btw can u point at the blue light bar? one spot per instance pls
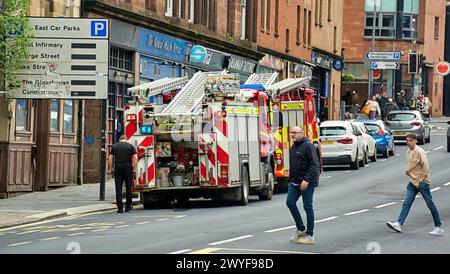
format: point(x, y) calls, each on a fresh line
point(146, 130)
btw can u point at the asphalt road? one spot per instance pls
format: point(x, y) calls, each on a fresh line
point(351, 209)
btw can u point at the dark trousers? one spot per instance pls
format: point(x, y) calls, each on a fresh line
point(123, 172)
point(294, 194)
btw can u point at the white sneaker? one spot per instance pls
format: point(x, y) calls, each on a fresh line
point(395, 226)
point(306, 240)
point(437, 231)
point(297, 236)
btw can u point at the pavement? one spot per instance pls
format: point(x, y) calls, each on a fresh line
point(60, 202)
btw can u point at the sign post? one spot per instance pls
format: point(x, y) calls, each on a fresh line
point(68, 59)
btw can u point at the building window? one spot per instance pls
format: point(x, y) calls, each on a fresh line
point(169, 8)
point(385, 18)
point(68, 116)
point(22, 115)
point(321, 14)
point(309, 27)
point(335, 40)
point(150, 5)
point(316, 7)
point(191, 11)
point(410, 26)
point(54, 115)
point(298, 25)
point(268, 16)
point(436, 28)
point(263, 15)
point(121, 59)
point(329, 10)
point(305, 25)
point(277, 7)
point(287, 40)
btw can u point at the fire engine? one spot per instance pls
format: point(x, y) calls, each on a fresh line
point(293, 105)
point(212, 140)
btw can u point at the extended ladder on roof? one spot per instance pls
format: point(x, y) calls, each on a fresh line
point(158, 87)
point(265, 79)
point(190, 96)
point(288, 84)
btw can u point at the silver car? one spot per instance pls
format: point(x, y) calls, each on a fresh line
point(403, 122)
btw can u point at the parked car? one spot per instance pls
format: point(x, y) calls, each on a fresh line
point(448, 138)
point(369, 141)
point(383, 137)
point(409, 121)
point(342, 144)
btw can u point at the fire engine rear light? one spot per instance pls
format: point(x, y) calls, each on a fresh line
point(416, 124)
point(146, 130)
point(346, 141)
point(224, 174)
point(131, 117)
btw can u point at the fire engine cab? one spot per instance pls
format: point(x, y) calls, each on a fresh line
point(211, 140)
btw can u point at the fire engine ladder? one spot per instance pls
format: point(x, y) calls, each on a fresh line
point(190, 95)
point(157, 87)
point(287, 85)
point(265, 79)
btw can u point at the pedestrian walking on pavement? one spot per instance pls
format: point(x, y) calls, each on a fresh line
point(390, 106)
point(418, 171)
point(125, 160)
point(401, 100)
point(303, 179)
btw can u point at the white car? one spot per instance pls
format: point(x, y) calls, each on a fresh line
point(342, 144)
point(369, 142)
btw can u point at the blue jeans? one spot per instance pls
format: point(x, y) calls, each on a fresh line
point(294, 194)
point(411, 192)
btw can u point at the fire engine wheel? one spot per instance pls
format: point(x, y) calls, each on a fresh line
point(267, 193)
point(242, 193)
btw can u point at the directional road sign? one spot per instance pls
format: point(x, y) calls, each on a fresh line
point(385, 65)
point(383, 55)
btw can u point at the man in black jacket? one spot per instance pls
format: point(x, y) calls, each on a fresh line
point(303, 179)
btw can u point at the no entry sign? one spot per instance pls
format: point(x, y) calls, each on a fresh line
point(443, 68)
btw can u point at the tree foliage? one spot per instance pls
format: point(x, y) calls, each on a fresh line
point(15, 37)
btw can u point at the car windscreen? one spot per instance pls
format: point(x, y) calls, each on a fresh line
point(401, 117)
point(333, 131)
point(372, 127)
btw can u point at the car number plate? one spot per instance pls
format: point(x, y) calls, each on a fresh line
point(400, 134)
point(327, 143)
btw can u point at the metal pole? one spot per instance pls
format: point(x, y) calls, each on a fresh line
point(373, 48)
point(103, 153)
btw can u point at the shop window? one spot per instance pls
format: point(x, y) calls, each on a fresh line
point(68, 116)
point(54, 116)
point(22, 115)
point(121, 59)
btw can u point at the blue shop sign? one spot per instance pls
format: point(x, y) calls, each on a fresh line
point(198, 54)
point(338, 64)
point(161, 45)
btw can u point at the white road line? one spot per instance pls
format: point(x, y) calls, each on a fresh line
point(49, 239)
point(428, 152)
point(447, 184)
point(99, 230)
point(418, 196)
point(75, 234)
point(143, 223)
point(24, 243)
point(279, 229)
point(436, 149)
point(181, 216)
point(122, 226)
point(181, 251)
point(348, 171)
point(231, 240)
point(326, 220)
point(436, 189)
point(385, 205)
point(161, 220)
point(28, 232)
point(384, 160)
point(357, 212)
point(398, 155)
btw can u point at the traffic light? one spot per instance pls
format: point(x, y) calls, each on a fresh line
point(413, 63)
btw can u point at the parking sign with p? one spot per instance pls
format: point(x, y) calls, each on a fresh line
point(99, 28)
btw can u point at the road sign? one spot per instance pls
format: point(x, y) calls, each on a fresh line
point(385, 65)
point(383, 55)
point(68, 59)
point(443, 68)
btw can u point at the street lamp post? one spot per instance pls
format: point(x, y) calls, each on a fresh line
point(373, 47)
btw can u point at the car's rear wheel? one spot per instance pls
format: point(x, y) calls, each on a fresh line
point(392, 151)
point(422, 139)
point(355, 164)
point(374, 158)
point(385, 154)
point(428, 140)
point(448, 144)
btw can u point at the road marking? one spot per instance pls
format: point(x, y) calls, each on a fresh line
point(178, 217)
point(181, 251)
point(206, 251)
point(279, 229)
point(161, 220)
point(436, 149)
point(75, 234)
point(436, 189)
point(246, 251)
point(122, 226)
point(50, 230)
point(428, 152)
point(385, 205)
point(99, 230)
point(24, 243)
point(49, 239)
point(447, 184)
point(231, 240)
point(398, 155)
point(323, 178)
point(2, 234)
point(384, 160)
point(348, 171)
point(418, 196)
point(357, 212)
point(143, 223)
point(28, 232)
point(326, 220)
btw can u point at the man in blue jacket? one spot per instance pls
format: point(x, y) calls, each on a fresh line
point(303, 179)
